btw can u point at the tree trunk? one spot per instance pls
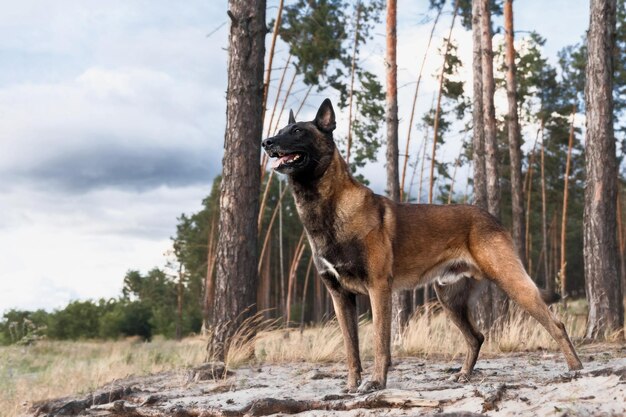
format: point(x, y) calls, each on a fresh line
point(528, 187)
point(489, 113)
point(179, 303)
point(305, 288)
point(568, 162)
point(352, 75)
point(498, 300)
point(209, 285)
point(620, 236)
point(264, 289)
point(602, 281)
point(236, 274)
point(293, 269)
point(481, 312)
point(401, 300)
point(549, 280)
point(478, 134)
point(515, 151)
point(281, 251)
point(393, 182)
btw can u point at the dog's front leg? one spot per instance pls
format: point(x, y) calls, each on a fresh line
point(380, 299)
point(345, 310)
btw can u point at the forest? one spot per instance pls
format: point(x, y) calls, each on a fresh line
point(523, 159)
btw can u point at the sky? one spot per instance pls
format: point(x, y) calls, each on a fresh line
point(112, 119)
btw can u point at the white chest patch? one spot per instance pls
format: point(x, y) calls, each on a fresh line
point(448, 279)
point(329, 267)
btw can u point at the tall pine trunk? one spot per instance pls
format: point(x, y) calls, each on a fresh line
point(393, 182)
point(489, 112)
point(357, 23)
point(568, 162)
point(515, 151)
point(236, 273)
point(478, 133)
point(481, 312)
point(401, 300)
point(549, 280)
point(602, 281)
point(494, 297)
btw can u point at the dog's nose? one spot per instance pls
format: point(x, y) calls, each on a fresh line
point(267, 142)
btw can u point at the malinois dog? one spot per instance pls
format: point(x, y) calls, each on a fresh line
point(365, 243)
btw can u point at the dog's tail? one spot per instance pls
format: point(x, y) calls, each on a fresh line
point(549, 297)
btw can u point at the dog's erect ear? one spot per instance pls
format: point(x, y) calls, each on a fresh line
point(292, 118)
point(325, 119)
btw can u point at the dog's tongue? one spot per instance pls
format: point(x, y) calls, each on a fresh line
point(283, 159)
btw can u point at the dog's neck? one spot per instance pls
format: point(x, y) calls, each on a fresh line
point(333, 181)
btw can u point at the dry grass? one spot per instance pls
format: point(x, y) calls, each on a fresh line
point(50, 369)
point(437, 335)
point(322, 343)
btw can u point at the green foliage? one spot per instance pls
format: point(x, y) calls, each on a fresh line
point(314, 31)
point(325, 37)
point(126, 318)
point(79, 319)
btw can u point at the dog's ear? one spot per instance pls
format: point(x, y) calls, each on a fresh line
point(292, 118)
point(325, 119)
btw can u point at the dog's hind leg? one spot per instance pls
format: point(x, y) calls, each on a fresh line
point(454, 299)
point(345, 310)
point(500, 262)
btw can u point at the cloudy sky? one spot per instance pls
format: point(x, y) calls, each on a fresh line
point(112, 120)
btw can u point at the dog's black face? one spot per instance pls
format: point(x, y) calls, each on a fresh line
point(304, 149)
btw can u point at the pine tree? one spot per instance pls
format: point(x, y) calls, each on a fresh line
point(236, 273)
point(603, 284)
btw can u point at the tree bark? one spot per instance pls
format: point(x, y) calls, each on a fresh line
point(209, 285)
point(515, 151)
point(549, 280)
point(498, 300)
point(478, 134)
point(179, 303)
point(401, 300)
point(489, 112)
point(602, 281)
point(568, 162)
point(393, 182)
point(236, 274)
point(352, 75)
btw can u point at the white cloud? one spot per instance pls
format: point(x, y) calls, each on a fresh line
point(54, 248)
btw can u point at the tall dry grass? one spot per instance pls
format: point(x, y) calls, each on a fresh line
point(425, 336)
point(49, 369)
point(438, 336)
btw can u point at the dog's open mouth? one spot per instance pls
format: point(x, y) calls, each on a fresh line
point(286, 159)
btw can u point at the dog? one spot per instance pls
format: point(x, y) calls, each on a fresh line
point(364, 243)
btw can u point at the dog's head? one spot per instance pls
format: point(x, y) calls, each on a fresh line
point(304, 148)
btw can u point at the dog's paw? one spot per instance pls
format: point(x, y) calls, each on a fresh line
point(462, 377)
point(351, 387)
point(370, 386)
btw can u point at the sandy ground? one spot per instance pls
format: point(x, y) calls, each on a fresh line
point(529, 384)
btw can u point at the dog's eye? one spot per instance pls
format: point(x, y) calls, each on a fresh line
point(297, 130)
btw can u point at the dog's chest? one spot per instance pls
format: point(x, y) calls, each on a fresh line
point(340, 263)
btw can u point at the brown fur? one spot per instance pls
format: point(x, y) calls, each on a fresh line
point(366, 243)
